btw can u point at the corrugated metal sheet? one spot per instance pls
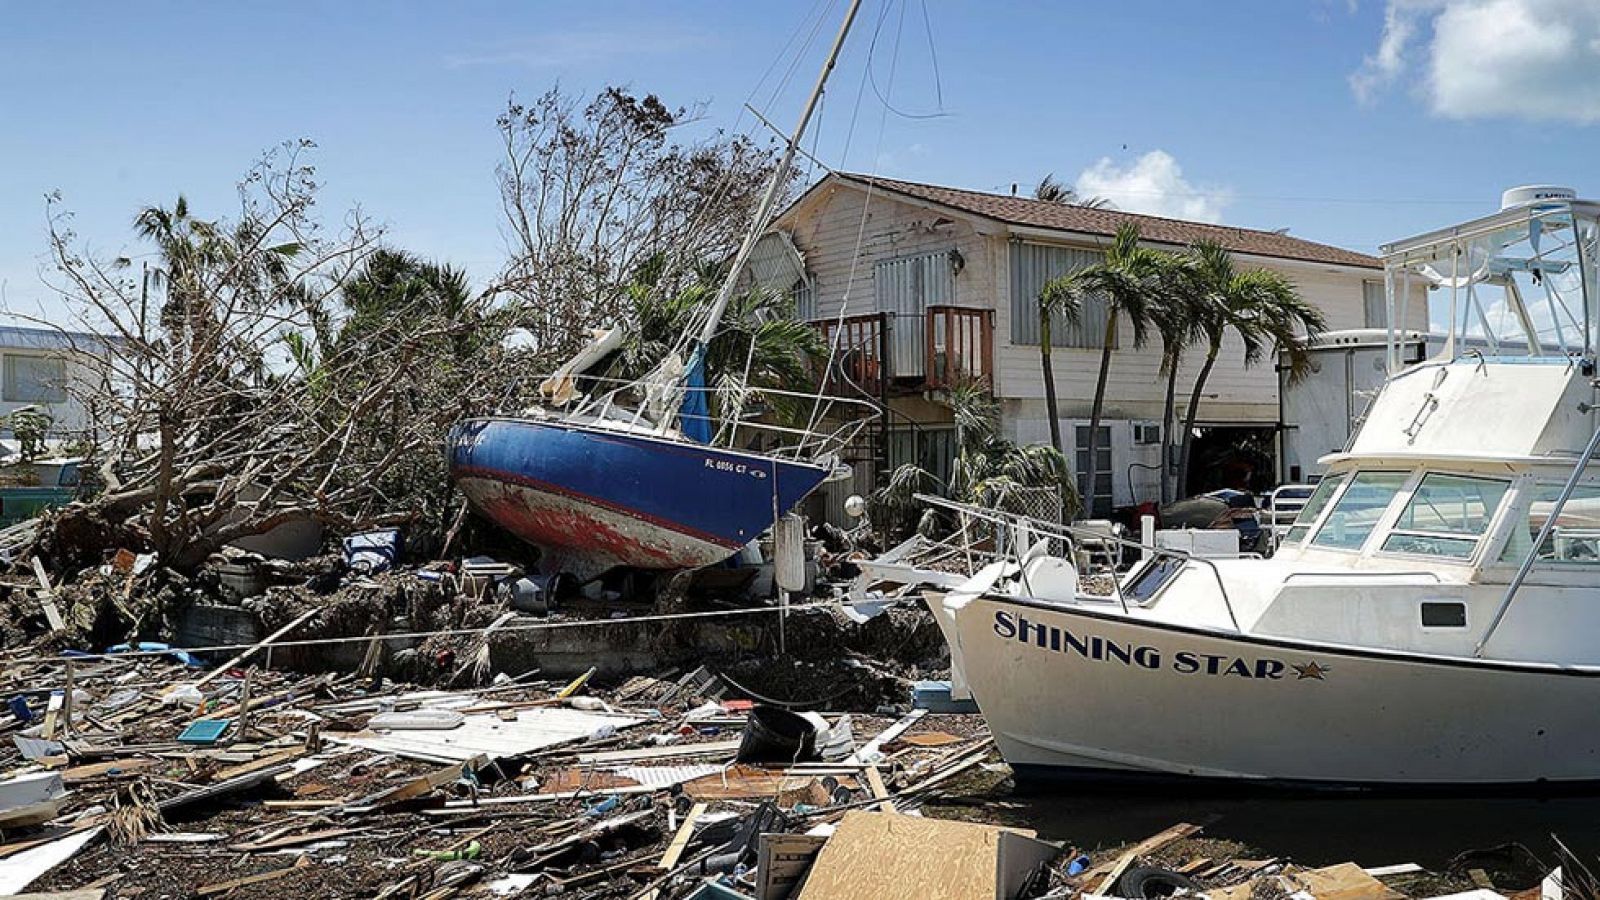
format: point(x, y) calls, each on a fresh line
point(906, 287)
point(1032, 266)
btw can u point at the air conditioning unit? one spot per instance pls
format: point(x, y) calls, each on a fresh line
point(1146, 433)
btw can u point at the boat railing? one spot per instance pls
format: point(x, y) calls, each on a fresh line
point(794, 442)
point(1072, 533)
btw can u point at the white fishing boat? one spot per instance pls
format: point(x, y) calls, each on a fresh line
point(1430, 618)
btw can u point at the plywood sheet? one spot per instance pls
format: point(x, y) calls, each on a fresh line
point(875, 856)
point(1345, 881)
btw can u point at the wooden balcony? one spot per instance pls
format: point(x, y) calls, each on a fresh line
point(958, 347)
point(884, 353)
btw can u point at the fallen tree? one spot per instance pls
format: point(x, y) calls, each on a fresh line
point(268, 370)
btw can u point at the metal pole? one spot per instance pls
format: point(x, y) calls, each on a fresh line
point(1544, 535)
point(779, 176)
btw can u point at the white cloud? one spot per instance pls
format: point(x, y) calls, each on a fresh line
point(1529, 59)
point(1152, 184)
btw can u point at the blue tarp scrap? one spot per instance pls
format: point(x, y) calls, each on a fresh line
point(694, 415)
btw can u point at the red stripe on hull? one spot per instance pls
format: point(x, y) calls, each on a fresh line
point(586, 536)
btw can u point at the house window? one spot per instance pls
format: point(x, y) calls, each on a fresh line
point(1375, 305)
point(35, 379)
point(805, 301)
point(905, 288)
point(931, 449)
point(1096, 502)
point(1032, 266)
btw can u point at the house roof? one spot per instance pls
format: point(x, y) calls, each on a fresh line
point(19, 337)
point(1026, 211)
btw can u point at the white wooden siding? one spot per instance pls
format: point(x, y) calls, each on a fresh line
point(827, 233)
point(826, 230)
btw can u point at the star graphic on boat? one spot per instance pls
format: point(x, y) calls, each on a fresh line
point(1311, 669)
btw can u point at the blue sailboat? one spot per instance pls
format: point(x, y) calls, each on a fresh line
point(596, 486)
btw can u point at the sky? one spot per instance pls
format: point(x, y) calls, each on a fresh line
point(1352, 122)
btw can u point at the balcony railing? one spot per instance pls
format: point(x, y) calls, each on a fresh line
point(886, 352)
point(959, 346)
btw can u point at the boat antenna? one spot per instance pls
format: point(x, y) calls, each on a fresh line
point(780, 177)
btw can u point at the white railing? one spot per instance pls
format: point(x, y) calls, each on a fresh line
point(795, 443)
point(1071, 534)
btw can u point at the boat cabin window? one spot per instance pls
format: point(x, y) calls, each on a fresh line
point(1360, 507)
point(1446, 516)
point(1575, 539)
point(1313, 508)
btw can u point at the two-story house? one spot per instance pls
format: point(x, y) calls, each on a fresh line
point(924, 286)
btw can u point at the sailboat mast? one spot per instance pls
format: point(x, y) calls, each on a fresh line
point(780, 176)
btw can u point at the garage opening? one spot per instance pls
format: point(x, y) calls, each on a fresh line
point(1231, 456)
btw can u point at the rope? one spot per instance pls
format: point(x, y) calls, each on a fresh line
point(443, 632)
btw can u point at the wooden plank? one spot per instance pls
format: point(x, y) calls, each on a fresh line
point(52, 712)
point(931, 739)
point(52, 614)
point(1123, 862)
point(680, 842)
point(872, 747)
point(222, 887)
point(295, 840)
point(875, 783)
point(93, 771)
point(302, 804)
point(257, 647)
point(1146, 846)
point(420, 786)
point(265, 762)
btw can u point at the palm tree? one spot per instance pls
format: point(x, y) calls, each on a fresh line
point(1130, 282)
point(1177, 320)
point(988, 471)
point(1052, 191)
point(203, 263)
point(396, 285)
point(760, 343)
point(1061, 297)
point(1261, 306)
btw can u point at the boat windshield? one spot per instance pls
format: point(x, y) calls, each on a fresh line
point(1446, 516)
point(1519, 283)
point(1575, 537)
point(1313, 508)
point(1356, 514)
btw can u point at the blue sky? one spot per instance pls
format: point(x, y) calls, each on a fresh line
point(1347, 121)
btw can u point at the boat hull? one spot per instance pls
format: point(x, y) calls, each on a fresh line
point(594, 499)
point(1072, 691)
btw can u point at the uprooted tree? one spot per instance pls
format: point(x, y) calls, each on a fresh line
point(595, 192)
point(267, 370)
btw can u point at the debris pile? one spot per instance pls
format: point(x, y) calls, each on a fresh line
point(143, 774)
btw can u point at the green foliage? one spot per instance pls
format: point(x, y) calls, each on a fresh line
point(760, 343)
point(30, 425)
point(1262, 307)
point(988, 467)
